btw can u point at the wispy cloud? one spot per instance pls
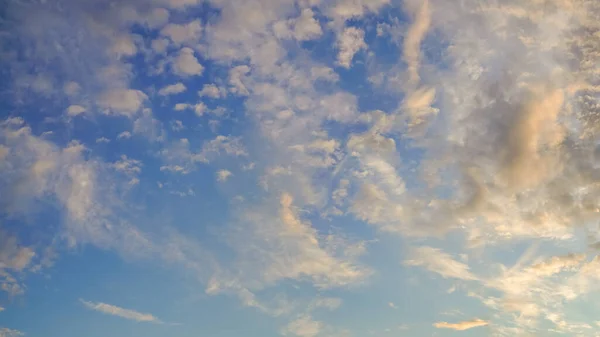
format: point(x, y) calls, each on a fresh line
point(460, 326)
point(121, 312)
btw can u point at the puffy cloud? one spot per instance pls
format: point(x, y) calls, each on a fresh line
point(13, 258)
point(303, 28)
point(323, 73)
point(125, 102)
point(236, 80)
point(349, 42)
point(460, 326)
point(289, 248)
point(6, 332)
point(179, 158)
point(159, 45)
point(212, 91)
point(186, 64)
point(199, 108)
point(124, 45)
point(74, 110)
point(187, 34)
point(128, 166)
point(124, 135)
point(172, 89)
point(223, 175)
point(121, 312)
point(304, 326)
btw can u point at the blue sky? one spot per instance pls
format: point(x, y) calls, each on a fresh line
point(299, 168)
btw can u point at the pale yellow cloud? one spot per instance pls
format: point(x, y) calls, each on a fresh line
point(439, 262)
point(421, 13)
point(461, 326)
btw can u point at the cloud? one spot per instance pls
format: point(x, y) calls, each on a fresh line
point(289, 248)
point(188, 33)
point(304, 326)
point(487, 132)
point(198, 108)
point(172, 89)
point(303, 28)
point(14, 258)
point(179, 158)
point(412, 42)
point(124, 135)
point(439, 262)
point(125, 102)
point(236, 76)
point(74, 110)
point(6, 332)
point(12, 255)
point(349, 42)
point(223, 175)
point(186, 64)
point(461, 326)
point(121, 312)
point(211, 90)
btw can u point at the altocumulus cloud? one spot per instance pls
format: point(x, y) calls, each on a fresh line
point(286, 155)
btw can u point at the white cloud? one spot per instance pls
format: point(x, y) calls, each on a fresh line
point(172, 89)
point(236, 80)
point(12, 255)
point(124, 135)
point(160, 45)
point(125, 102)
point(460, 326)
point(223, 175)
point(186, 64)
point(71, 88)
point(180, 159)
point(349, 42)
point(414, 37)
point(128, 166)
point(323, 73)
point(212, 91)
point(124, 45)
point(187, 34)
point(303, 326)
point(74, 110)
point(303, 28)
point(198, 108)
point(6, 332)
point(13, 258)
point(121, 312)
point(439, 262)
point(289, 248)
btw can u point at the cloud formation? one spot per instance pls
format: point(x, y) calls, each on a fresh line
point(121, 312)
point(274, 151)
point(460, 326)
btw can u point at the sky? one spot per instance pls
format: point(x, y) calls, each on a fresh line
point(300, 168)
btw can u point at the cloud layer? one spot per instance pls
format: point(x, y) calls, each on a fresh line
point(300, 157)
